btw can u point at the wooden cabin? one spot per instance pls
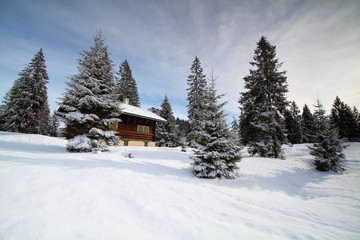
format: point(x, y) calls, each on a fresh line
point(137, 126)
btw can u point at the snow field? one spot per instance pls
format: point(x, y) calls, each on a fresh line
point(48, 193)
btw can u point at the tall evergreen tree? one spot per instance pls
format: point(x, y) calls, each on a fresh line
point(219, 157)
point(293, 124)
point(308, 125)
point(40, 107)
point(89, 103)
point(26, 107)
point(126, 85)
point(328, 149)
point(357, 118)
point(264, 103)
point(357, 115)
point(344, 118)
point(166, 135)
point(197, 94)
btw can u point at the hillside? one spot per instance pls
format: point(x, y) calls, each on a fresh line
point(48, 193)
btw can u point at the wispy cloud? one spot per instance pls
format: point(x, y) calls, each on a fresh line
point(317, 41)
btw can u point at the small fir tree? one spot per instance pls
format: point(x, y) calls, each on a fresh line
point(54, 125)
point(89, 104)
point(182, 127)
point(328, 150)
point(264, 103)
point(126, 85)
point(219, 157)
point(166, 135)
point(197, 98)
point(234, 132)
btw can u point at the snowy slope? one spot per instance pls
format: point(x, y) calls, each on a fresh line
point(48, 193)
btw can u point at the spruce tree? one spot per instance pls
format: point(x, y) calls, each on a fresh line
point(25, 107)
point(234, 132)
point(2, 112)
point(308, 125)
point(344, 118)
point(54, 125)
point(40, 107)
point(264, 103)
point(89, 103)
point(197, 93)
point(321, 121)
point(13, 108)
point(182, 127)
point(219, 157)
point(126, 85)
point(357, 120)
point(328, 149)
point(357, 115)
point(293, 124)
point(166, 134)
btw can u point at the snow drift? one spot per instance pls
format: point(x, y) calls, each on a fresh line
point(49, 193)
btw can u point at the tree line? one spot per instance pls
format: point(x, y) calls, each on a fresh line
point(266, 122)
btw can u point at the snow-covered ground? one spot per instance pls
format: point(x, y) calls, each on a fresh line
point(48, 193)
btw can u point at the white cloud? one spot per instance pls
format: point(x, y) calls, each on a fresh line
point(317, 41)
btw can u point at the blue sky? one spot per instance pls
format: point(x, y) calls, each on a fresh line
point(317, 41)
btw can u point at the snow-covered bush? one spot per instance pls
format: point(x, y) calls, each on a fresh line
point(80, 143)
point(96, 140)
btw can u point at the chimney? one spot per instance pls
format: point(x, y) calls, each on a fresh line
point(126, 100)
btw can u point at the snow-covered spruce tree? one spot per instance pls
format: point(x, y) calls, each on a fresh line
point(308, 125)
point(89, 103)
point(357, 119)
point(197, 98)
point(219, 157)
point(5, 112)
point(343, 117)
point(26, 107)
point(54, 125)
point(125, 86)
point(321, 121)
point(293, 124)
point(2, 113)
point(262, 125)
point(40, 106)
point(328, 150)
point(234, 132)
point(166, 134)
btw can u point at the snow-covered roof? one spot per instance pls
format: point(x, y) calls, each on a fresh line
point(140, 112)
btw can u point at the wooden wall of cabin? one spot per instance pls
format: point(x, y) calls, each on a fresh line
point(128, 128)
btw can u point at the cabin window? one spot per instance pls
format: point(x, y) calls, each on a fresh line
point(114, 125)
point(126, 143)
point(142, 129)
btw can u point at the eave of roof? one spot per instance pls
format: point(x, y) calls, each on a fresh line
point(140, 112)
